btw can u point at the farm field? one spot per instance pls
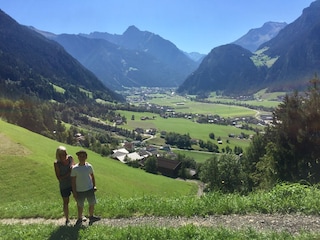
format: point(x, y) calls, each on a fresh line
point(182, 104)
point(198, 156)
point(185, 105)
point(262, 98)
point(184, 126)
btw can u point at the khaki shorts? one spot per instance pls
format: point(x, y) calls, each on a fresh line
point(89, 195)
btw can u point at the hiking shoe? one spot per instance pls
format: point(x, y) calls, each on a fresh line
point(68, 222)
point(78, 222)
point(84, 219)
point(93, 219)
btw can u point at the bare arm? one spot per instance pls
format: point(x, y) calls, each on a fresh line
point(74, 187)
point(93, 181)
point(57, 170)
point(72, 161)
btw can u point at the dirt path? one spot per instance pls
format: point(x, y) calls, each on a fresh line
point(260, 222)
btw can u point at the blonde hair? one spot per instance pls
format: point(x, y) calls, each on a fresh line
point(59, 150)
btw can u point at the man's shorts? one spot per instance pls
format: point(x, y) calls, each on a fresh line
point(89, 195)
point(66, 192)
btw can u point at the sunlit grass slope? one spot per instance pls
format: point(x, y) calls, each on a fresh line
point(27, 173)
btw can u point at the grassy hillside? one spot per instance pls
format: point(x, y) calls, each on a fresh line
point(27, 174)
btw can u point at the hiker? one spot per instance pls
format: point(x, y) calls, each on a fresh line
point(62, 166)
point(84, 186)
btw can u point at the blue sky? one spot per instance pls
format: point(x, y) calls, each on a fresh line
point(192, 25)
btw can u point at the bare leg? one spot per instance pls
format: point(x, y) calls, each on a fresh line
point(92, 218)
point(80, 211)
point(66, 207)
point(91, 210)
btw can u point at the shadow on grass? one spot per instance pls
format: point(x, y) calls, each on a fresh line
point(65, 232)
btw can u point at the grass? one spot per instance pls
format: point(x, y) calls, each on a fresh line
point(283, 199)
point(260, 59)
point(224, 108)
point(27, 175)
point(58, 89)
point(201, 131)
point(198, 156)
point(193, 107)
point(29, 189)
point(35, 231)
point(262, 98)
point(183, 126)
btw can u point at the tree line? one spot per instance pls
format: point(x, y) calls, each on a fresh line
point(49, 119)
point(288, 151)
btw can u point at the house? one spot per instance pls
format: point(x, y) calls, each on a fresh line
point(124, 156)
point(134, 156)
point(139, 130)
point(144, 153)
point(151, 131)
point(129, 146)
point(166, 148)
point(119, 153)
point(119, 156)
point(168, 167)
point(121, 150)
point(152, 149)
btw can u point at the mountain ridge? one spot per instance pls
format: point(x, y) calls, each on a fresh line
point(286, 62)
point(142, 59)
point(31, 60)
point(257, 36)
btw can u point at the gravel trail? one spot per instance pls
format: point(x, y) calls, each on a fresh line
point(260, 222)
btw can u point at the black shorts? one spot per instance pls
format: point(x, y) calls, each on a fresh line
point(66, 192)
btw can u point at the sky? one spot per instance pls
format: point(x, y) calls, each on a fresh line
point(192, 25)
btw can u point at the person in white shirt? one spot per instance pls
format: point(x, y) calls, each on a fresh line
point(84, 186)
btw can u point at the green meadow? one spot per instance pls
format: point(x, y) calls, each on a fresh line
point(198, 156)
point(227, 107)
point(184, 126)
point(29, 187)
point(261, 98)
point(185, 105)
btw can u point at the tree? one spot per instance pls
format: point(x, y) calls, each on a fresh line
point(181, 141)
point(224, 172)
point(290, 147)
point(211, 136)
point(151, 165)
point(266, 175)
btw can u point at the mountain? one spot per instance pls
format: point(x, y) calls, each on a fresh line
point(297, 51)
point(195, 56)
point(151, 43)
point(255, 37)
point(227, 68)
point(118, 67)
point(134, 59)
point(31, 64)
point(286, 62)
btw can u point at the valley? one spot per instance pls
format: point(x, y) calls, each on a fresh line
point(230, 134)
point(226, 117)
